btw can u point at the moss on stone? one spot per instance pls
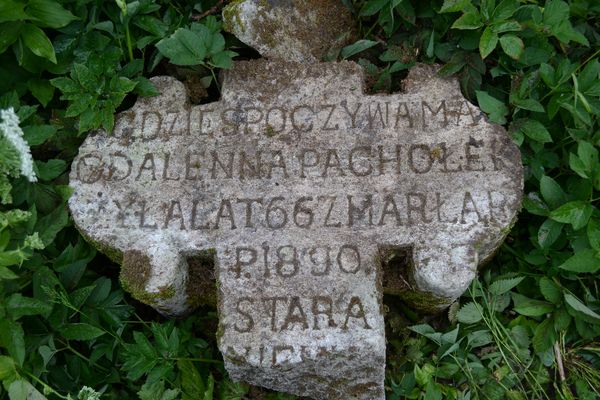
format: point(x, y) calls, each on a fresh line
point(201, 287)
point(231, 16)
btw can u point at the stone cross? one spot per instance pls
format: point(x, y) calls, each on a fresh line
point(298, 184)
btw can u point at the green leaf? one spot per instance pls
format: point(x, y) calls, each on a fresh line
point(552, 192)
point(80, 331)
point(38, 134)
point(50, 169)
point(9, 33)
point(505, 10)
point(12, 338)
point(548, 233)
point(41, 90)
point(536, 130)
point(577, 213)
point(11, 10)
point(222, 60)
point(183, 47)
point(470, 313)
point(49, 13)
point(49, 225)
point(487, 42)
point(19, 306)
point(582, 261)
point(495, 109)
point(502, 286)
point(578, 306)
point(593, 233)
point(7, 368)
point(470, 20)
point(544, 336)
point(530, 307)
point(357, 47)
point(455, 5)
point(6, 273)
point(372, 7)
point(512, 45)
point(555, 12)
point(550, 290)
point(156, 391)
point(36, 40)
point(23, 390)
point(529, 104)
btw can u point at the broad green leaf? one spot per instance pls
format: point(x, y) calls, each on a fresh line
point(49, 13)
point(550, 290)
point(529, 104)
point(50, 169)
point(38, 134)
point(6, 273)
point(577, 305)
point(582, 261)
point(9, 33)
point(487, 42)
point(223, 59)
point(357, 47)
point(20, 306)
point(548, 233)
point(36, 40)
point(512, 45)
point(7, 368)
point(183, 47)
point(41, 90)
point(470, 313)
point(502, 286)
point(544, 336)
point(470, 20)
point(80, 331)
point(456, 5)
point(535, 130)
point(555, 12)
point(49, 225)
point(371, 7)
point(507, 26)
point(593, 233)
point(530, 307)
point(495, 109)
point(11, 10)
point(12, 338)
point(577, 213)
point(552, 193)
point(156, 391)
point(192, 383)
point(505, 10)
point(23, 390)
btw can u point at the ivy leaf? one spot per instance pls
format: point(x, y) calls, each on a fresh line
point(577, 213)
point(36, 40)
point(512, 45)
point(487, 42)
point(582, 261)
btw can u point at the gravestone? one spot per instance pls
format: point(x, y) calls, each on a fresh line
point(298, 184)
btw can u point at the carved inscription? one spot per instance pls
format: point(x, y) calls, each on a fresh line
point(298, 185)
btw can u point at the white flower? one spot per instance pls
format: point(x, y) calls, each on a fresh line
point(14, 134)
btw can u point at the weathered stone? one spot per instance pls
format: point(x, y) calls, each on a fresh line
point(293, 30)
point(302, 185)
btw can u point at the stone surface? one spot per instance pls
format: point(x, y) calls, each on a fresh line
point(292, 30)
point(299, 185)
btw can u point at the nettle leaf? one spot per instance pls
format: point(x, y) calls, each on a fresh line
point(582, 261)
point(487, 42)
point(512, 45)
point(470, 313)
point(548, 233)
point(494, 108)
point(183, 47)
point(530, 307)
point(577, 213)
point(502, 286)
point(36, 40)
